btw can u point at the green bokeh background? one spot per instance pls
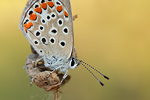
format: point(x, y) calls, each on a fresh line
point(111, 35)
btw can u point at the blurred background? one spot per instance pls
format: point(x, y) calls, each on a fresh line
point(111, 35)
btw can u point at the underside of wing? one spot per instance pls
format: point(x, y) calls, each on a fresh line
point(48, 26)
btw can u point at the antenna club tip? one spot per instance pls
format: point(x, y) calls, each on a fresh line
point(106, 77)
point(101, 84)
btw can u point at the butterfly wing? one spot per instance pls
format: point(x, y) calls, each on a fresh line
point(66, 30)
point(48, 26)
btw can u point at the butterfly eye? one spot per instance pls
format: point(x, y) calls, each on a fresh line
point(73, 63)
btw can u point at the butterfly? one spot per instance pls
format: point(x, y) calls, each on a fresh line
point(48, 26)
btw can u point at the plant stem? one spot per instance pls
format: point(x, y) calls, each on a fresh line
point(55, 94)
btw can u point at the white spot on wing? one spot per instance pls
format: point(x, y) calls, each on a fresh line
point(37, 33)
point(36, 5)
point(48, 17)
point(53, 15)
point(62, 43)
point(53, 31)
point(57, 3)
point(41, 27)
point(43, 21)
point(43, 40)
point(65, 30)
point(52, 40)
point(41, 51)
point(35, 42)
point(60, 22)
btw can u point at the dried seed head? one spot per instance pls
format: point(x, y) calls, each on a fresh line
point(47, 83)
point(39, 74)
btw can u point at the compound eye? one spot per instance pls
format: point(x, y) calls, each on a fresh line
point(73, 63)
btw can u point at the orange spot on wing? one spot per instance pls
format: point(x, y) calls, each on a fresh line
point(59, 8)
point(28, 25)
point(38, 9)
point(66, 14)
point(51, 4)
point(25, 29)
point(44, 5)
point(33, 16)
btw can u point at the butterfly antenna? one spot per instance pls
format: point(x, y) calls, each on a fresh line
point(92, 74)
point(94, 69)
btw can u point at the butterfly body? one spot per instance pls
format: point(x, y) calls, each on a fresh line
point(48, 26)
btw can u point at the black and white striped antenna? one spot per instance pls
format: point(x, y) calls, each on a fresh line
point(82, 63)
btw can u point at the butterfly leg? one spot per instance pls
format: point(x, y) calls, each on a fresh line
point(75, 16)
point(31, 81)
point(37, 60)
point(54, 70)
point(35, 63)
point(74, 53)
point(65, 75)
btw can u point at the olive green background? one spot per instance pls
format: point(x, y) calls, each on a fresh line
point(111, 35)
